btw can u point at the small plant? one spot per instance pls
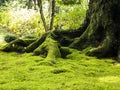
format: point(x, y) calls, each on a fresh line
point(10, 37)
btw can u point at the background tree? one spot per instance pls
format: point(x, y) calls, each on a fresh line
point(40, 5)
point(30, 4)
point(2, 2)
point(52, 12)
point(51, 9)
point(69, 2)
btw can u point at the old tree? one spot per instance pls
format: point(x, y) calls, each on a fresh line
point(98, 36)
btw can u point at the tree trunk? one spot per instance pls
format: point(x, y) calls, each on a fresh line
point(42, 15)
point(98, 36)
point(52, 12)
point(35, 4)
point(30, 4)
point(101, 29)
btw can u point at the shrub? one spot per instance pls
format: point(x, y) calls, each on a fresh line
point(21, 22)
point(25, 22)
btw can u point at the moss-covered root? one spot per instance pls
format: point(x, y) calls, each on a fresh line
point(102, 49)
point(36, 44)
point(49, 49)
point(65, 51)
point(17, 45)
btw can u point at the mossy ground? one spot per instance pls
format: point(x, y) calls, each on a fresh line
point(76, 72)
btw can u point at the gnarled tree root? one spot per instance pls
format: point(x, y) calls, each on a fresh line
point(36, 43)
point(48, 49)
point(17, 45)
point(104, 49)
point(46, 46)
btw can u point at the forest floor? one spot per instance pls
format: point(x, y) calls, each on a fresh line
point(76, 72)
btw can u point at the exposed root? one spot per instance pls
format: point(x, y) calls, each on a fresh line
point(103, 49)
point(80, 42)
point(37, 43)
point(48, 49)
point(17, 45)
point(65, 51)
point(47, 46)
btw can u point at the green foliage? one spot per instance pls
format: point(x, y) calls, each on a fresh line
point(4, 18)
point(10, 37)
point(25, 22)
point(22, 22)
point(16, 4)
point(2, 2)
point(69, 2)
point(16, 19)
point(71, 17)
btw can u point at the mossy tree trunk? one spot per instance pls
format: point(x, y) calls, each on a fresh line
point(99, 34)
point(101, 29)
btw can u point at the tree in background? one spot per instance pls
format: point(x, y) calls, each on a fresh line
point(30, 4)
point(2, 2)
point(69, 2)
point(51, 9)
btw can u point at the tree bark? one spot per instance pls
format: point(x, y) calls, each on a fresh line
point(30, 4)
point(42, 15)
point(101, 29)
point(52, 12)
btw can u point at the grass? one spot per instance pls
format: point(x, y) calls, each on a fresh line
point(76, 72)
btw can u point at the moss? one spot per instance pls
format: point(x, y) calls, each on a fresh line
point(8, 38)
point(65, 51)
point(41, 50)
point(100, 21)
point(49, 49)
point(29, 37)
point(17, 45)
point(12, 47)
point(59, 71)
point(45, 63)
point(103, 49)
point(29, 41)
point(35, 44)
